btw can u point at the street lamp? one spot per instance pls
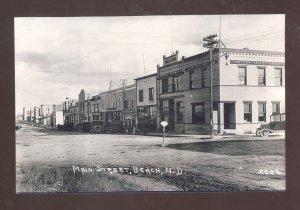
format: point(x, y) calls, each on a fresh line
point(210, 43)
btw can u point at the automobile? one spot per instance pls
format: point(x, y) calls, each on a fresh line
point(277, 124)
point(84, 127)
point(116, 126)
point(99, 126)
point(18, 127)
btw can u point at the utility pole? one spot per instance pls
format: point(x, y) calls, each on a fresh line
point(123, 82)
point(211, 43)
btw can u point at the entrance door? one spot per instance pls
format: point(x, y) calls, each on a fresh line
point(229, 116)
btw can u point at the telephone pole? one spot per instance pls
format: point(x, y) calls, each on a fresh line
point(210, 43)
point(123, 82)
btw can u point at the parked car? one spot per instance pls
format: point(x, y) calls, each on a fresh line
point(18, 127)
point(84, 127)
point(277, 124)
point(99, 126)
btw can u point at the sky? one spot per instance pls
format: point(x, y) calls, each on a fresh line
point(56, 57)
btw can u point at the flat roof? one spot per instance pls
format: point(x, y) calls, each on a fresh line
point(146, 76)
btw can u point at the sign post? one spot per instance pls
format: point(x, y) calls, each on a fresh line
point(164, 124)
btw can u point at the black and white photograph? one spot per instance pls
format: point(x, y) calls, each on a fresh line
point(192, 103)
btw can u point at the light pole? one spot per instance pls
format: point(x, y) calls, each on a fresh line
point(210, 43)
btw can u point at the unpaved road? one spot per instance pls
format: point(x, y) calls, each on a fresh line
point(141, 163)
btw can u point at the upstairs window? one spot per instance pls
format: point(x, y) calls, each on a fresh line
point(261, 77)
point(191, 79)
point(242, 76)
point(278, 77)
point(151, 94)
point(141, 95)
point(165, 85)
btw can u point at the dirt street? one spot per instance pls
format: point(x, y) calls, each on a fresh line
point(59, 161)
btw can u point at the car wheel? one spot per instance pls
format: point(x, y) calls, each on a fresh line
point(258, 132)
point(265, 132)
point(97, 129)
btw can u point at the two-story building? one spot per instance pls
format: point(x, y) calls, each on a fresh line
point(247, 85)
point(147, 101)
point(118, 104)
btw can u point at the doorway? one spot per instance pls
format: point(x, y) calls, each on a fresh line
point(229, 116)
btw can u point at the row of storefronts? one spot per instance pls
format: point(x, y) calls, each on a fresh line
point(247, 87)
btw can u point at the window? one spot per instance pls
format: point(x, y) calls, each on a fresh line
point(96, 108)
point(204, 79)
point(141, 96)
point(198, 114)
point(191, 79)
point(151, 94)
point(247, 111)
point(152, 110)
point(165, 85)
point(242, 76)
point(261, 76)
point(278, 77)
point(126, 104)
point(132, 103)
point(262, 112)
point(176, 83)
point(171, 84)
point(180, 112)
point(275, 108)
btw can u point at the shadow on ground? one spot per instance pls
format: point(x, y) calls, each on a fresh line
point(235, 147)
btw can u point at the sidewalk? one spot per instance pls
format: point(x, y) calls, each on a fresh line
point(217, 137)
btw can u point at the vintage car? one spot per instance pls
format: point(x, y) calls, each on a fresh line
point(84, 127)
point(99, 126)
point(277, 124)
point(18, 127)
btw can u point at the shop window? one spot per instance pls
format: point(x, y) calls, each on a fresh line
point(180, 112)
point(262, 112)
point(126, 104)
point(275, 108)
point(247, 111)
point(152, 110)
point(198, 114)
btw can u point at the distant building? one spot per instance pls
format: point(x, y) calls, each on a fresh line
point(118, 103)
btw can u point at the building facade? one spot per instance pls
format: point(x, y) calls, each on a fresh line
point(147, 101)
point(118, 104)
point(248, 86)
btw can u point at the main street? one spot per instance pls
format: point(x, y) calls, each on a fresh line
point(60, 161)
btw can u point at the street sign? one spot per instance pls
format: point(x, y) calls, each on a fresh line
point(164, 123)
